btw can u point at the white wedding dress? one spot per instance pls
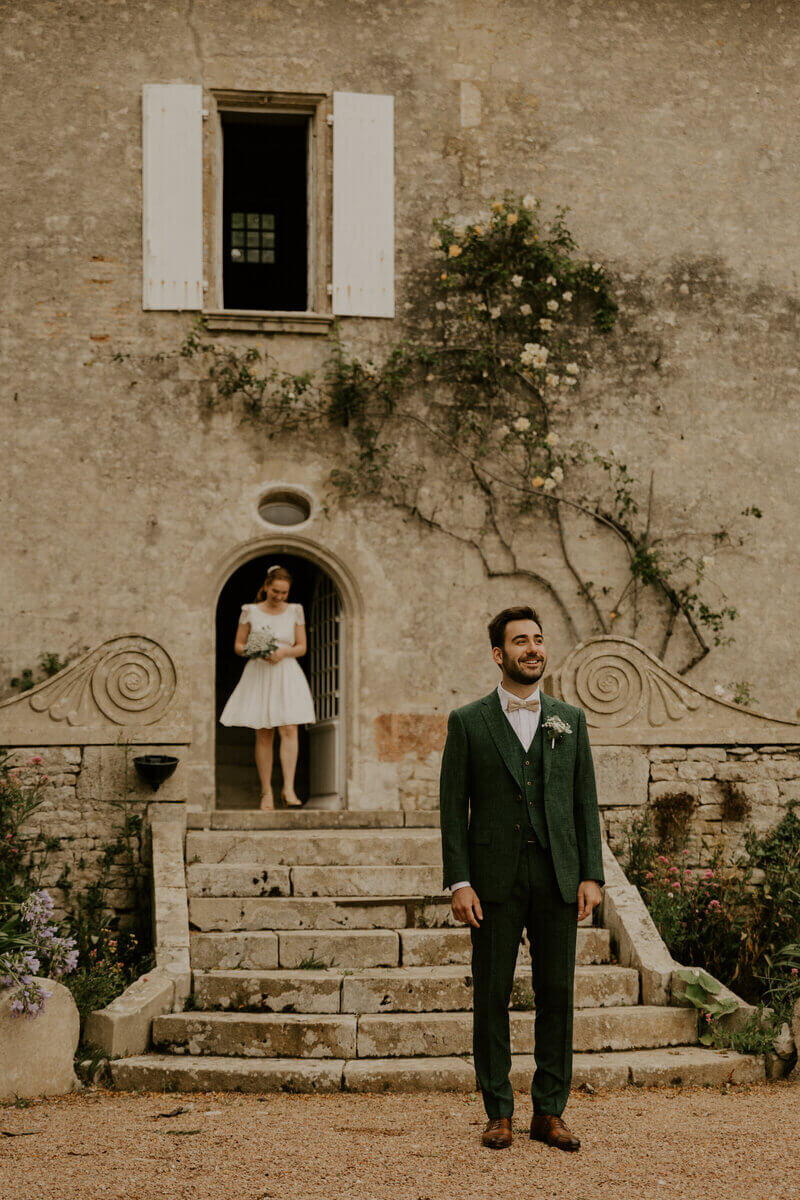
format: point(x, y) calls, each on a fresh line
point(270, 694)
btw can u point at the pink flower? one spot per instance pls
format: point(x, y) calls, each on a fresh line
point(685, 851)
point(671, 869)
point(688, 871)
point(37, 758)
point(709, 874)
point(794, 970)
point(676, 885)
point(662, 858)
point(648, 875)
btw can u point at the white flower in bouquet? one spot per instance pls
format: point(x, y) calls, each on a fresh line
point(261, 643)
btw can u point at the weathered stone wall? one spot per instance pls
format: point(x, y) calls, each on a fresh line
point(730, 788)
point(82, 782)
point(669, 131)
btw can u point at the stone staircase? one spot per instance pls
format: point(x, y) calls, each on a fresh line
point(324, 957)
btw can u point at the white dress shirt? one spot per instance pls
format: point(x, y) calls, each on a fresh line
point(524, 723)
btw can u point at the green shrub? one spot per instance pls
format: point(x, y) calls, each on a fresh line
point(742, 932)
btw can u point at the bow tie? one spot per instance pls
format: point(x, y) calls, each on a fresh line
point(532, 705)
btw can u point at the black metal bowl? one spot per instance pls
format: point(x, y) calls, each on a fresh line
point(155, 768)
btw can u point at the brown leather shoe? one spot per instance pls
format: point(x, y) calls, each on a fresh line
point(497, 1133)
point(551, 1129)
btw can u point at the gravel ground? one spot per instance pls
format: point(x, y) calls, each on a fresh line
point(737, 1142)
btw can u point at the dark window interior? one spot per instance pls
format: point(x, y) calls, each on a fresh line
point(265, 217)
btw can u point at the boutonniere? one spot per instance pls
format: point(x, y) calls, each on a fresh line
point(556, 728)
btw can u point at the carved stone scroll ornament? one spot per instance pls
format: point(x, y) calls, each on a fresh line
point(129, 680)
point(629, 696)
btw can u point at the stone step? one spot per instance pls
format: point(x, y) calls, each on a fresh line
point(397, 989)
point(438, 947)
point(357, 947)
point(404, 1035)
point(327, 848)
point(344, 882)
point(685, 1065)
point(309, 912)
point(246, 819)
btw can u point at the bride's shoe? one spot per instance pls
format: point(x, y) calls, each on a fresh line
point(271, 805)
point(292, 801)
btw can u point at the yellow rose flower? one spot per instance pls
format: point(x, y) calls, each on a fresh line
point(512, 218)
point(454, 250)
point(498, 206)
point(537, 481)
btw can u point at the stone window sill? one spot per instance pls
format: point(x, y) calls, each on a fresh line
point(241, 320)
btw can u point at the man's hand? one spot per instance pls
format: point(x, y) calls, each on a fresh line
point(466, 906)
point(589, 896)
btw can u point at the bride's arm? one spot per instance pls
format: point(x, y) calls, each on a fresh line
point(242, 634)
point(300, 644)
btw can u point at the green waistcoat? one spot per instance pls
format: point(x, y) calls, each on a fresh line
point(531, 770)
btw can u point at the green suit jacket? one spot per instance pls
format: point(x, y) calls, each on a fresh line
point(482, 810)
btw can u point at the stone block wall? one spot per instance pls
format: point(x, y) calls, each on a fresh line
point(715, 792)
point(78, 809)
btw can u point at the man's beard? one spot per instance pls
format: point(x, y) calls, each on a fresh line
point(523, 673)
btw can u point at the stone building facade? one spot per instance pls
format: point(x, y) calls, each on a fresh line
point(138, 515)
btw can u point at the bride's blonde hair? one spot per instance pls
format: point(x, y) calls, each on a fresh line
point(274, 572)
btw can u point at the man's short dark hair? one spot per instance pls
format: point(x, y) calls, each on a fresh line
point(497, 625)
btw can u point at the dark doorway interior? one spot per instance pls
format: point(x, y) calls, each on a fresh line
point(236, 774)
point(265, 212)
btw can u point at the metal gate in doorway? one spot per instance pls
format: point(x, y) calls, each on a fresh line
point(326, 754)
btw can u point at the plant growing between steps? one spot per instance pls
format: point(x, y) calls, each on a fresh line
point(703, 991)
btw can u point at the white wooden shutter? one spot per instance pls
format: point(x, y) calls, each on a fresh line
point(172, 195)
point(363, 205)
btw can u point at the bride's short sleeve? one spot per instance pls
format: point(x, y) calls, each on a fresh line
point(244, 617)
point(299, 615)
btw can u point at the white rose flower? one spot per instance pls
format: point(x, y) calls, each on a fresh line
point(566, 296)
point(494, 312)
point(435, 242)
point(545, 323)
point(503, 430)
point(521, 424)
point(548, 484)
point(552, 305)
point(597, 266)
point(552, 439)
point(569, 380)
point(480, 306)
point(552, 380)
point(525, 309)
point(558, 474)
point(459, 231)
point(551, 279)
point(708, 560)
point(573, 368)
point(534, 355)
point(440, 305)
point(529, 202)
point(516, 280)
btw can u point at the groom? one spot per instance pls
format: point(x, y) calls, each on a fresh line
point(521, 847)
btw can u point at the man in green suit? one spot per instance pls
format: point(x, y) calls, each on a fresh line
point(521, 848)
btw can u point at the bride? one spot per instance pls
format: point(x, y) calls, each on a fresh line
point(273, 692)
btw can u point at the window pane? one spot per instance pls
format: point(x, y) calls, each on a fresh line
point(252, 220)
point(252, 256)
point(237, 238)
point(252, 238)
point(267, 220)
point(268, 256)
point(267, 239)
point(237, 220)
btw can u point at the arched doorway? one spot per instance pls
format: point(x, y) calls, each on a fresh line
point(321, 762)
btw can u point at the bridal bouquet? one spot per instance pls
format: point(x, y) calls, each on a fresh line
point(260, 643)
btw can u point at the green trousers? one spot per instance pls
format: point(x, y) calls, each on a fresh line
point(536, 905)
